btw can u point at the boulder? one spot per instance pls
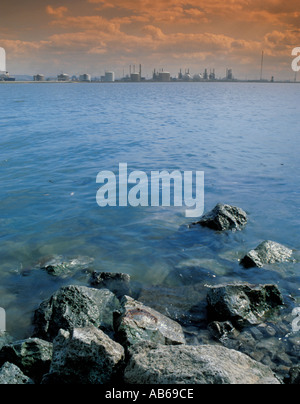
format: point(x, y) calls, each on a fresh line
point(74, 307)
point(242, 304)
point(84, 356)
point(33, 356)
point(224, 217)
point(136, 323)
point(11, 374)
point(203, 364)
point(294, 375)
point(267, 253)
point(117, 283)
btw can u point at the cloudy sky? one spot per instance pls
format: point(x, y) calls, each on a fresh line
point(77, 36)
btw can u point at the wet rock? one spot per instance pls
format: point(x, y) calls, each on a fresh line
point(294, 375)
point(267, 253)
point(5, 339)
point(185, 304)
point(183, 364)
point(33, 356)
point(117, 283)
point(58, 266)
point(11, 374)
point(242, 304)
point(221, 331)
point(136, 323)
point(74, 307)
point(84, 356)
point(224, 217)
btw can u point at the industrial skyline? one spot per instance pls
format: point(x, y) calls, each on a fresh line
point(108, 35)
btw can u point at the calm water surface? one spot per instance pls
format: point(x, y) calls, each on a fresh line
point(55, 139)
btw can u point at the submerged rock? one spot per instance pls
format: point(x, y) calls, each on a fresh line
point(203, 364)
point(136, 323)
point(73, 307)
point(117, 283)
point(11, 374)
point(84, 356)
point(242, 304)
point(224, 217)
point(33, 356)
point(58, 266)
point(267, 253)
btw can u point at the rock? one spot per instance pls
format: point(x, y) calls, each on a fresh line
point(33, 356)
point(185, 305)
point(294, 375)
point(221, 331)
point(138, 323)
point(11, 374)
point(5, 339)
point(224, 217)
point(267, 253)
point(117, 283)
point(242, 304)
point(84, 356)
point(203, 364)
point(58, 266)
point(74, 307)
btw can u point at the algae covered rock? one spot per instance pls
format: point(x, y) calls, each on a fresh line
point(74, 307)
point(242, 304)
point(267, 253)
point(224, 217)
point(33, 356)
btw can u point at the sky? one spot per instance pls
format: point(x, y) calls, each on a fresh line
point(91, 36)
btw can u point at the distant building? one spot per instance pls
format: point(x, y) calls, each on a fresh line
point(187, 76)
point(198, 77)
point(164, 77)
point(212, 75)
point(63, 77)
point(205, 76)
point(135, 77)
point(4, 75)
point(109, 77)
point(229, 74)
point(85, 78)
point(39, 77)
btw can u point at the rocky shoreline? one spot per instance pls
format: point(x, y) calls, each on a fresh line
point(108, 333)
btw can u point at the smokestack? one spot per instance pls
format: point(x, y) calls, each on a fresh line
point(262, 65)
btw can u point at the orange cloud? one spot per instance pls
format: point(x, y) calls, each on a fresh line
point(56, 12)
point(160, 33)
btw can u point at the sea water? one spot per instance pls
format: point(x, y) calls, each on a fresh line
point(56, 138)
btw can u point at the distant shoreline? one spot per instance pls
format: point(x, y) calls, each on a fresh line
point(150, 82)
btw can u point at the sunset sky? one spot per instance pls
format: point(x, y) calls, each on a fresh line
point(91, 36)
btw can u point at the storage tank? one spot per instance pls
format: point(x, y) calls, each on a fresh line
point(109, 77)
point(135, 77)
point(164, 77)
